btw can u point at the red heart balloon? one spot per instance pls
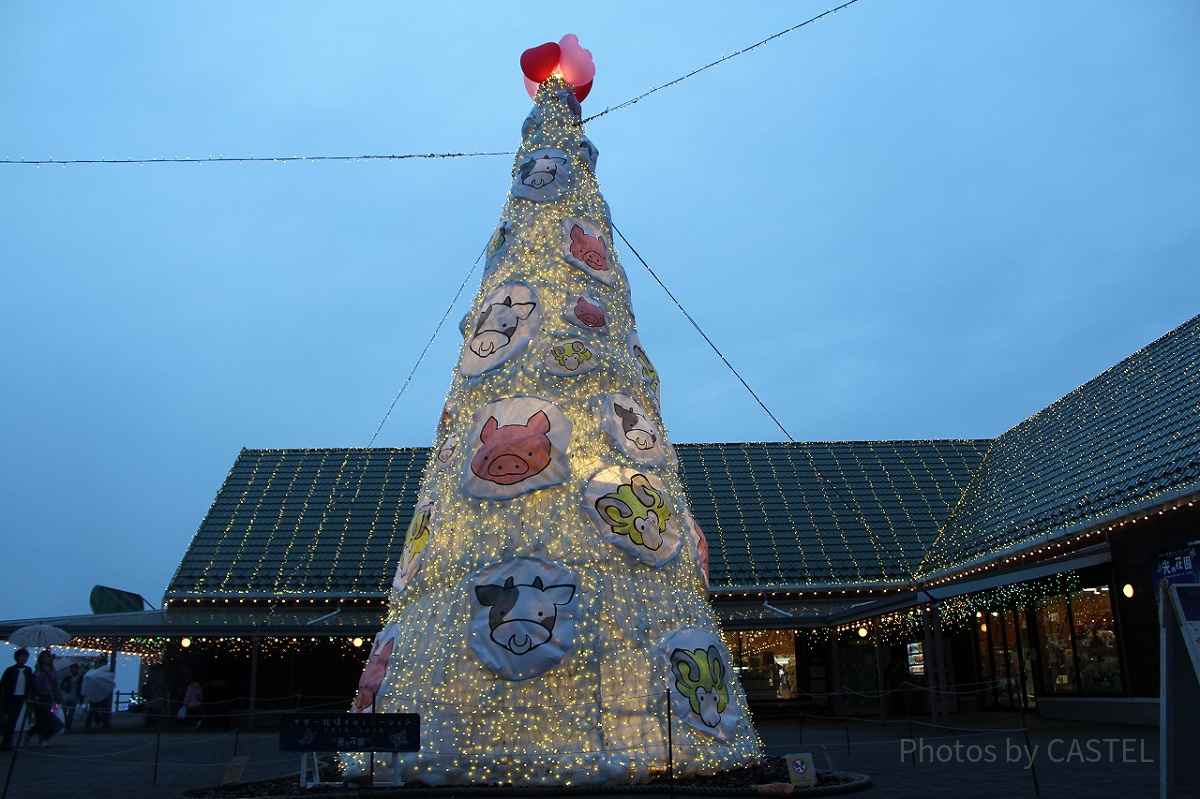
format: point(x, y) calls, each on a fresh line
point(582, 91)
point(539, 63)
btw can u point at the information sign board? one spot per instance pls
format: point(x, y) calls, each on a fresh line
point(349, 732)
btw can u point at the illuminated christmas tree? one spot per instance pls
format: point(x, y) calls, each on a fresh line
point(551, 601)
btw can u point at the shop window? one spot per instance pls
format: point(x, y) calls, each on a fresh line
point(1096, 642)
point(765, 661)
point(1057, 649)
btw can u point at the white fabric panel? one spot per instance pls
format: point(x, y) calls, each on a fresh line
point(699, 676)
point(518, 444)
point(584, 245)
point(646, 370)
point(632, 432)
point(544, 175)
point(631, 510)
point(420, 530)
point(523, 616)
point(504, 323)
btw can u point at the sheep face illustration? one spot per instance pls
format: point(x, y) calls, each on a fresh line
point(700, 677)
point(572, 355)
point(636, 510)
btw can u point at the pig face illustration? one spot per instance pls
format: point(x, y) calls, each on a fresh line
point(522, 616)
point(591, 250)
point(589, 313)
point(514, 452)
point(372, 677)
point(497, 324)
point(540, 172)
point(636, 427)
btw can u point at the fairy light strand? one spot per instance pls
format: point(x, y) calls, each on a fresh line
point(230, 159)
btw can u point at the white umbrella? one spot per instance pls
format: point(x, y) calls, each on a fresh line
point(39, 636)
point(98, 685)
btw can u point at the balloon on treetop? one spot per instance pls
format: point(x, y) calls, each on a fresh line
point(567, 59)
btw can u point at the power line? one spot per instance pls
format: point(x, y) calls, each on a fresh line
point(721, 60)
point(281, 159)
point(253, 158)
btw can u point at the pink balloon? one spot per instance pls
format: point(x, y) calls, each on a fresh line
point(575, 63)
point(531, 87)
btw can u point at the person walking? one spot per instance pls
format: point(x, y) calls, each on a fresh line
point(193, 700)
point(16, 686)
point(72, 693)
point(47, 696)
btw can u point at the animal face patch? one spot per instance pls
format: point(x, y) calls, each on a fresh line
point(517, 445)
point(523, 615)
point(645, 369)
point(588, 152)
point(445, 453)
point(570, 357)
point(375, 670)
point(699, 678)
point(632, 432)
point(585, 246)
point(501, 329)
point(699, 543)
point(497, 247)
point(420, 528)
point(542, 175)
point(588, 313)
point(632, 511)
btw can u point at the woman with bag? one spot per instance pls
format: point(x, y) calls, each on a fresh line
point(47, 698)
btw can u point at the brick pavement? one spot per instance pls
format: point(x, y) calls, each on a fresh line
point(983, 757)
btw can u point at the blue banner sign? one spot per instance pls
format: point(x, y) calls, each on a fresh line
point(349, 732)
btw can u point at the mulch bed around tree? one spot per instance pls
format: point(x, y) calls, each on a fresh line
point(769, 777)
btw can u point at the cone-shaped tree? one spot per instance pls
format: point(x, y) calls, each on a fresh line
point(551, 599)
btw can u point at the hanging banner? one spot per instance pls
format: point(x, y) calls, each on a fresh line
point(588, 313)
point(543, 175)
point(497, 247)
point(570, 357)
point(376, 669)
point(585, 246)
point(420, 529)
point(646, 370)
point(631, 431)
point(519, 444)
point(698, 675)
point(588, 152)
point(699, 542)
point(631, 511)
point(523, 616)
point(502, 327)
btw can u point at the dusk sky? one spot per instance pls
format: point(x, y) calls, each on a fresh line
point(905, 221)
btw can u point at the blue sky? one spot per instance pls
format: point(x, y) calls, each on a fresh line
point(908, 220)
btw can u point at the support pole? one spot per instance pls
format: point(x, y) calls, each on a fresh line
point(253, 680)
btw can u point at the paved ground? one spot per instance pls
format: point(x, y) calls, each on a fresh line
point(984, 756)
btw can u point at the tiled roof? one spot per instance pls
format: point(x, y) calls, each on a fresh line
point(304, 522)
point(331, 522)
point(807, 515)
point(1125, 441)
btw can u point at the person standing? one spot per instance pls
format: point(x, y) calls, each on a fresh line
point(47, 695)
point(15, 687)
point(72, 692)
point(193, 700)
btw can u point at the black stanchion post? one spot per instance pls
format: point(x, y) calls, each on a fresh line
point(12, 762)
point(800, 720)
point(235, 740)
point(670, 745)
point(847, 736)
point(912, 754)
point(1032, 768)
point(157, 745)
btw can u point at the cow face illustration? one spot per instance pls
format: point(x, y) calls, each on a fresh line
point(572, 355)
point(636, 510)
point(496, 326)
point(522, 616)
point(540, 172)
point(700, 677)
point(591, 250)
point(636, 427)
point(514, 452)
point(372, 676)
